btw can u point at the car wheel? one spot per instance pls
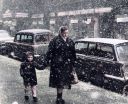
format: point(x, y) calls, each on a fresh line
point(125, 90)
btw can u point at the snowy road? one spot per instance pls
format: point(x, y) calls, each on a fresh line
point(11, 89)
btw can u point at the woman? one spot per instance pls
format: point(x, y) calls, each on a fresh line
point(61, 58)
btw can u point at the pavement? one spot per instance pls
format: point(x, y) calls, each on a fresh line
point(12, 89)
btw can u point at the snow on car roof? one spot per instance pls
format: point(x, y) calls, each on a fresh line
point(104, 40)
point(35, 30)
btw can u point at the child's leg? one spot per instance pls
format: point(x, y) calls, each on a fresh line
point(33, 88)
point(35, 99)
point(26, 90)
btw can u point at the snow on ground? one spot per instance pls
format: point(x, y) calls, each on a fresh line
point(11, 88)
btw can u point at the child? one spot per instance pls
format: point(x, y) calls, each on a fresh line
point(28, 73)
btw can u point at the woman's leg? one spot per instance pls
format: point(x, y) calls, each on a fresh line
point(59, 99)
point(59, 93)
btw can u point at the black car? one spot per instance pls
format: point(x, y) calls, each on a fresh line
point(33, 40)
point(103, 61)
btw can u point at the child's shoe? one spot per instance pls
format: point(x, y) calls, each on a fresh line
point(35, 99)
point(26, 98)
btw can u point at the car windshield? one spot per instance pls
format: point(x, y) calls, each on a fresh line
point(4, 34)
point(122, 51)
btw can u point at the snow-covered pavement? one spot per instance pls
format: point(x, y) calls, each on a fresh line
point(11, 89)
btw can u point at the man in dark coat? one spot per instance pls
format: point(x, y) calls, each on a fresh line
point(61, 57)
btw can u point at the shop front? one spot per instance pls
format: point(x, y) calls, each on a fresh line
point(37, 21)
point(81, 23)
point(121, 27)
point(13, 22)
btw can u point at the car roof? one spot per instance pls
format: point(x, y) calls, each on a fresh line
point(104, 40)
point(35, 31)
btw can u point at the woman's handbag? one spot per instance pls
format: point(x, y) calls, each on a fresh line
point(74, 77)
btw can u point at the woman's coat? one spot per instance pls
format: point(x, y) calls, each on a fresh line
point(61, 57)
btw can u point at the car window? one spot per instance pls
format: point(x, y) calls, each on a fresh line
point(81, 47)
point(23, 38)
point(122, 51)
point(105, 50)
point(29, 39)
point(41, 37)
point(92, 49)
point(26, 38)
point(17, 38)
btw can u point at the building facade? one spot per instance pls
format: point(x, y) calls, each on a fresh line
point(85, 18)
point(82, 17)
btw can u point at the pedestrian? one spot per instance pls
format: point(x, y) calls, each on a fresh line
point(61, 57)
point(28, 73)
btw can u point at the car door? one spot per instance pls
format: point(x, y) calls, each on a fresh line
point(91, 59)
point(114, 78)
point(105, 54)
point(81, 65)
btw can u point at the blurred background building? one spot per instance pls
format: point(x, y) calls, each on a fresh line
point(85, 18)
point(1, 6)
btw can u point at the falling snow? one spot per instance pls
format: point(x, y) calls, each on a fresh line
point(102, 73)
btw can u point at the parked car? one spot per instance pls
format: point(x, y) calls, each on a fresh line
point(34, 40)
point(103, 61)
point(4, 37)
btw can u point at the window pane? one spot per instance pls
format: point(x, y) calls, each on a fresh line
point(92, 49)
point(18, 38)
point(29, 39)
point(23, 38)
point(122, 51)
point(42, 37)
point(105, 50)
point(81, 47)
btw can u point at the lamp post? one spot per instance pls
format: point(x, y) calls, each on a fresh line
point(95, 21)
